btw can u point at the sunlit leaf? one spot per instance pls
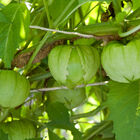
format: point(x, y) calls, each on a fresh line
point(60, 14)
point(123, 102)
point(14, 31)
point(117, 5)
point(60, 118)
point(136, 4)
point(53, 136)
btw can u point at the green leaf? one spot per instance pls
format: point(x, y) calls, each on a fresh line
point(136, 4)
point(60, 118)
point(117, 6)
point(1, 5)
point(59, 115)
point(124, 104)
point(13, 32)
point(120, 17)
point(134, 14)
point(84, 41)
point(100, 138)
point(3, 136)
point(40, 76)
point(103, 129)
point(53, 136)
point(35, 139)
point(105, 28)
point(61, 10)
point(3, 18)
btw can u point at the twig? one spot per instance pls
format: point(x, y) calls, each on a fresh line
point(63, 87)
point(63, 32)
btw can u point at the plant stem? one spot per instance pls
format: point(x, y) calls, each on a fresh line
point(40, 76)
point(132, 23)
point(47, 13)
point(63, 32)
point(63, 87)
point(135, 29)
point(87, 15)
point(98, 130)
point(134, 14)
point(42, 42)
point(81, 14)
point(99, 9)
point(56, 23)
point(33, 4)
point(88, 114)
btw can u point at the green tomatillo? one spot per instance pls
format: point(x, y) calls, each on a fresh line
point(122, 62)
point(73, 65)
point(19, 130)
point(14, 89)
point(71, 98)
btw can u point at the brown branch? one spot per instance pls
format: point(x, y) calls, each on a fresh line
point(22, 59)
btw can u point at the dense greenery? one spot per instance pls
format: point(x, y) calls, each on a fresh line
point(69, 69)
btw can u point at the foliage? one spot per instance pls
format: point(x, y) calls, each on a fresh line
point(14, 22)
point(61, 119)
point(124, 108)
